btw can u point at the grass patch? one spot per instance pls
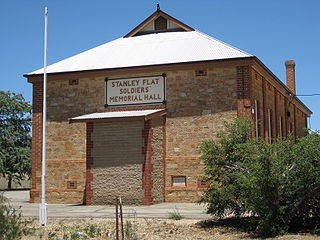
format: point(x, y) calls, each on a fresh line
point(175, 215)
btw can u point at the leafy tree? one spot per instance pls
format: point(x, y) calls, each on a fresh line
point(15, 139)
point(279, 183)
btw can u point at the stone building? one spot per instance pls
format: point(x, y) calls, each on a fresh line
point(125, 118)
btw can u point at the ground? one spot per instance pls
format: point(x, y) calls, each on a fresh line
point(146, 229)
point(67, 221)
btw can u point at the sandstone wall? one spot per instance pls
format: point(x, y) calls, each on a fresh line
point(117, 162)
point(197, 106)
point(157, 160)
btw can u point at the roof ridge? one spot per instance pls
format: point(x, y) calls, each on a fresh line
point(220, 41)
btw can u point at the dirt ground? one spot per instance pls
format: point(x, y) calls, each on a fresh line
point(145, 229)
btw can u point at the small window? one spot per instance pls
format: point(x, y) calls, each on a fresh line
point(179, 181)
point(270, 125)
point(280, 127)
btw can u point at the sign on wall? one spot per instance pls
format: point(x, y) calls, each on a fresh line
point(135, 91)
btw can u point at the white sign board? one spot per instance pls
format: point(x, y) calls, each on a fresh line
point(135, 91)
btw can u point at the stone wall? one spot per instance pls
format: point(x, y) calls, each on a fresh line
point(117, 162)
point(157, 141)
point(197, 106)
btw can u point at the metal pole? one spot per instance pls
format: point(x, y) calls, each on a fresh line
point(121, 218)
point(117, 219)
point(43, 205)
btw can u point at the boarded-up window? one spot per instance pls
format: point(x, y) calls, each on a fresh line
point(160, 24)
point(179, 181)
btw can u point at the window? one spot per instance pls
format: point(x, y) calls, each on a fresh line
point(270, 125)
point(256, 116)
point(280, 127)
point(179, 181)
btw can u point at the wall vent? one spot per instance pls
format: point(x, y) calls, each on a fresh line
point(73, 81)
point(200, 73)
point(160, 24)
point(71, 184)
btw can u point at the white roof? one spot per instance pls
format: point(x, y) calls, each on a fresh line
point(149, 49)
point(119, 114)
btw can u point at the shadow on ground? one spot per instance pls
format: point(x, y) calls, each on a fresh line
point(249, 225)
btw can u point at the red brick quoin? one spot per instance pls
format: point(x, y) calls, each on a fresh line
point(147, 166)
point(89, 163)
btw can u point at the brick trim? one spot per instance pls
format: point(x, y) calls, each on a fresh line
point(183, 157)
point(164, 149)
point(37, 102)
point(147, 166)
point(89, 163)
point(65, 161)
point(183, 189)
point(58, 190)
point(244, 92)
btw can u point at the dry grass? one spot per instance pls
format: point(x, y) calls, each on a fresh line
point(147, 229)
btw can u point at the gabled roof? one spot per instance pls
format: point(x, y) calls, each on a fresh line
point(147, 50)
point(146, 26)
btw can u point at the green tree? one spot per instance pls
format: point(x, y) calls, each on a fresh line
point(279, 183)
point(15, 139)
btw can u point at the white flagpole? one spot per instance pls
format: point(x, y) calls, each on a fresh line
point(43, 205)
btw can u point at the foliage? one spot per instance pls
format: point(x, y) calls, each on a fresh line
point(15, 139)
point(92, 230)
point(175, 215)
point(12, 227)
point(279, 183)
point(129, 231)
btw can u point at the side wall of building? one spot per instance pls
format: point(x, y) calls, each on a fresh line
point(277, 115)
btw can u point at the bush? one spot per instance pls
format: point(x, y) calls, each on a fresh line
point(279, 183)
point(175, 215)
point(12, 227)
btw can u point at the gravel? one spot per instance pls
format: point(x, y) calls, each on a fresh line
point(144, 229)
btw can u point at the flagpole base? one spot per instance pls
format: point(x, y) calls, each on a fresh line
point(43, 214)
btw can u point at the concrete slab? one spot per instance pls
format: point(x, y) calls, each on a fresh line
point(19, 199)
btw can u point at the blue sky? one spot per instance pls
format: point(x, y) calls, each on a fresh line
point(273, 30)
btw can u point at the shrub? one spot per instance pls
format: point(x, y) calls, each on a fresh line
point(279, 183)
point(12, 226)
point(175, 215)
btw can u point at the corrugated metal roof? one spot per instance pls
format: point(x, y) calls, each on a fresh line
point(119, 114)
point(150, 49)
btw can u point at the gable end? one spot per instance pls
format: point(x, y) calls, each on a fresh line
point(159, 21)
